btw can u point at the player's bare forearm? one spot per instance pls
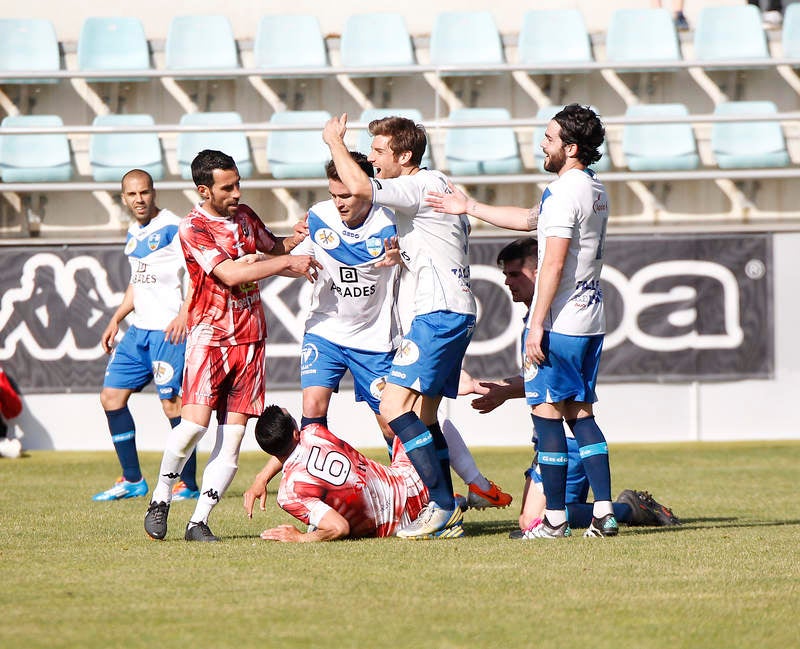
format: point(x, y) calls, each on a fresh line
point(332, 526)
point(348, 170)
point(258, 489)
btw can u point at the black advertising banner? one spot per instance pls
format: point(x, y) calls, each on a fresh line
point(679, 308)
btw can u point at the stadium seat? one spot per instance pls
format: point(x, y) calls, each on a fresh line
point(289, 41)
point(547, 112)
point(465, 38)
point(790, 37)
point(730, 32)
point(113, 154)
point(642, 35)
point(365, 139)
point(196, 42)
point(234, 143)
point(376, 39)
point(113, 44)
point(30, 45)
point(738, 145)
point(553, 36)
point(301, 153)
point(659, 147)
point(481, 150)
point(34, 158)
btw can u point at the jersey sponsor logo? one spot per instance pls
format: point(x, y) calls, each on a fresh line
point(407, 353)
point(374, 246)
point(326, 238)
point(162, 372)
point(308, 355)
point(154, 240)
point(348, 275)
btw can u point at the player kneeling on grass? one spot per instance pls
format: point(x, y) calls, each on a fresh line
point(334, 489)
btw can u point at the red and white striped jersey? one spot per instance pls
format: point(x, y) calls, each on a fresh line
point(227, 316)
point(325, 472)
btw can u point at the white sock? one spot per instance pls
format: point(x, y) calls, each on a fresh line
point(555, 516)
point(602, 508)
point(460, 458)
point(180, 442)
point(220, 470)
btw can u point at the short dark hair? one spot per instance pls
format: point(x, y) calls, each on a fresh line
point(360, 158)
point(136, 172)
point(580, 125)
point(522, 249)
point(204, 164)
point(405, 135)
point(275, 431)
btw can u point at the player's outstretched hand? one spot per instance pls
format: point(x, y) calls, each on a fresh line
point(304, 265)
point(284, 533)
point(492, 396)
point(334, 129)
point(257, 491)
point(393, 256)
point(451, 202)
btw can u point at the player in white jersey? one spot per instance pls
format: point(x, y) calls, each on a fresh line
point(566, 323)
point(435, 251)
point(152, 348)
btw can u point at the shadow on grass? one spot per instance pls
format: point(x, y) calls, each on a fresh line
point(489, 528)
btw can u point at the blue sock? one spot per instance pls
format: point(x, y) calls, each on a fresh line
point(442, 452)
point(305, 421)
point(552, 460)
point(580, 514)
point(594, 455)
point(418, 443)
point(123, 435)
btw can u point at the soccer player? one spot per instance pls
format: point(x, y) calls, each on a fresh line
point(153, 347)
point(518, 263)
point(566, 323)
point(353, 324)
point(227, 329)
point(435, 252)
point(333, 488)
point(10, 408)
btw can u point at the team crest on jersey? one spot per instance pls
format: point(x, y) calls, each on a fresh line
point(407, 353)
point(326, 238)
point(529, 369)
point(374, 246)
point(153, 240)
point(376, 387)
point(130, 246)
point(162, 372)
point(308, 355)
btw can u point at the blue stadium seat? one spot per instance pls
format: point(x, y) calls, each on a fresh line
point(465, 38)
point(113, 154)
point(365, 139)
point(553, 36)
point(641, 35)
point(34, 158)
point(481, 150)
point(547, 112)
point(376, 39)
point(730, 32)
point(743, 145)
point(790, 37)
point(301, 153)
point(234, 143)
point(29, 45)
point(196, 42)
point(659, 147)
point(289, 41)
point(113, 44)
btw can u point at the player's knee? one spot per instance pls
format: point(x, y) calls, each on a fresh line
point(113, 399)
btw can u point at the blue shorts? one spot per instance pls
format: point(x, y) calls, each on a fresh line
point(429, 358)
point(144, 355)
point(568, 372)
point(577, 482)
point(323, 364)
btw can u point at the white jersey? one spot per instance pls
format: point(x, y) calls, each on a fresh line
point(157, 271)
point(435, 246)
point(353, 303)
point(575, 207)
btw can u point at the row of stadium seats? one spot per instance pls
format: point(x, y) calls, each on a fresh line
point(380, 40)
point(471, 150)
